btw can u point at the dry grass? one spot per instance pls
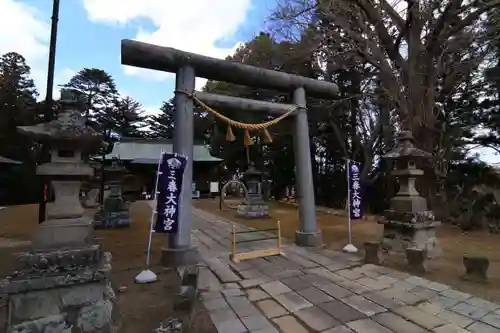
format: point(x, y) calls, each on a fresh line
point(446, 269)
point(142, 307)
point(127, 245)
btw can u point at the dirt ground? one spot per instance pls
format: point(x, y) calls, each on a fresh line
point(446, 269)
point(142, 307)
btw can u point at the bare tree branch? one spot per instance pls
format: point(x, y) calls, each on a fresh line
point(480, 8)
point(374, 17)
point(394, 15)
point(433, 40)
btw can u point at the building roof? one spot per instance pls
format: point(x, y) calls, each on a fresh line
point(5, 160)
point(147, 151)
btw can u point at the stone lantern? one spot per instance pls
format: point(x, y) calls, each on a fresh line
point(114, 211)
point(62, 284)
point(253, 206)
point(408, 223)
point(114, 176)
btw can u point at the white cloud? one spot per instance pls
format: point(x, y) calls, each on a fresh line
point(24, 30)
point(189, 25)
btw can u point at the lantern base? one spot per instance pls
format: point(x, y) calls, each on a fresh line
point(51, 285)
point(63, 233)
point(111, 220)
point(253, 211)
point(398, 236)
point(311, 239)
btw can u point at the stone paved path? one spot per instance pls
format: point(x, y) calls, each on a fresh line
point(315, 290)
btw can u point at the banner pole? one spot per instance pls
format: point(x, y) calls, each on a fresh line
point(147, 275)
point(155, 211)
point(348, 199)
point(349, 247)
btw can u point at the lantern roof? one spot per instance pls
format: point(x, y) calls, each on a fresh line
point(405, 147)
point(69, 127)
point(253, 172)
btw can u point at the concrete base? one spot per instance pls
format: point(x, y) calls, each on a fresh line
point(179, 257)
point(312, 239)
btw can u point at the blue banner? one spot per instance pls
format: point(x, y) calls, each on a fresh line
point(355, 198)
point(169, 190)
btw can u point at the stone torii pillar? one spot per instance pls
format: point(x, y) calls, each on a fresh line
point(187, 66)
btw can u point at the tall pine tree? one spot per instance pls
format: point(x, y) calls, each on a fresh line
point(161, 125)
point(18, 107)
point(97, 86)
point(17, 104)
point(123, 118)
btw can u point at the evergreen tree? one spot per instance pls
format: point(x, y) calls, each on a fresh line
point(161, 125)
point(123, 118)
point(17, 105)
point(97, 86)
point(101, 96)
point(489, 117)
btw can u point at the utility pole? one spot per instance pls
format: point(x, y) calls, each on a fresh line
point(48, 112)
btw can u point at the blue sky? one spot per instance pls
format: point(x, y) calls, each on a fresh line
point(90, 32)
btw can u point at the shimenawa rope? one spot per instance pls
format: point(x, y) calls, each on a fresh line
point(247, 127)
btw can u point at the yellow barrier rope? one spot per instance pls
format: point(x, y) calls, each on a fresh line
point(247, 127)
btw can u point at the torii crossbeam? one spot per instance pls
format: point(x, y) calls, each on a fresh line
point(187, 66)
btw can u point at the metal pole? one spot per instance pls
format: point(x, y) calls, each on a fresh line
point(48, 114)
point(52, 58)
point(348, 199)
point(179, 250)
point(154, 211)
point(308, 234)
point(349, 247)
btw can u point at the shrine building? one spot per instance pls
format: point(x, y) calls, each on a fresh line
point(141, 156)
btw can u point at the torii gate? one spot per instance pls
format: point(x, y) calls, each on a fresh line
point(187, 66)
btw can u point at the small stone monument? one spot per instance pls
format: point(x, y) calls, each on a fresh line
point(476, 268)
point(371, 253)
point(114, 213)
point(408, 223)
point(62, 284)
point(254, 206)
point(416, 259)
